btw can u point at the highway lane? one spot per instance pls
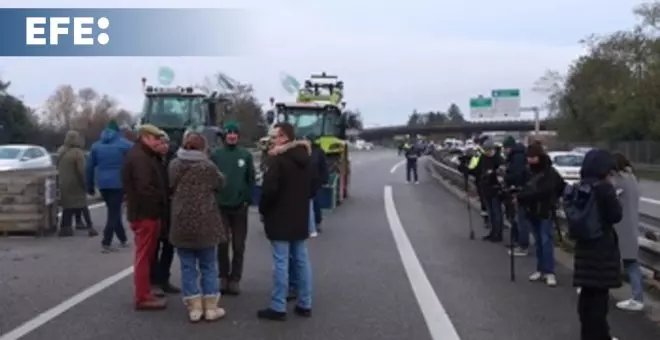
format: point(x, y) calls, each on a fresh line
point(364, 274)
point(650, 203)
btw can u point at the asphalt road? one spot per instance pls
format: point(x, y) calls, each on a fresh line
point(390, 262)
point(650, 203)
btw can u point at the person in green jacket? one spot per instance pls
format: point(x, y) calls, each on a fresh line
point(237, 165)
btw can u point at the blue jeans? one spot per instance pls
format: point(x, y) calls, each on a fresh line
point(494, 208)
point(522, 234)
point(194, 262)
point(545, 248)
point(312, 221)
point(635, 277)
point(294, 252)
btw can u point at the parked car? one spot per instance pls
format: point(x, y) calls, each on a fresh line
point(567, 164)
point(18, 156)
point(582, 149)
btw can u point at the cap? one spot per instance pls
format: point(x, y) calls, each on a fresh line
point(152, 130)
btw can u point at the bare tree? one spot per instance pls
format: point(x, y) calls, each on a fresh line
point(61, 107)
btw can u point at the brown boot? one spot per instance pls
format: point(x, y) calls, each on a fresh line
point(234, 288)
point(151, 304)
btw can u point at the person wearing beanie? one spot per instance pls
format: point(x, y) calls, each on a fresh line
point(489, 186)
point(537, 199)
point(103, 171)
point(236, 163)
point(515, 176)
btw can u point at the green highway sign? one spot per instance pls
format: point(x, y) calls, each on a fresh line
point(481, 107)
point(506, 103)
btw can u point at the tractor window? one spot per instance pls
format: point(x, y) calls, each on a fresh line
point(312, 121)
point(175, 111)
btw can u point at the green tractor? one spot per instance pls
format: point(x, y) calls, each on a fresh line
point(176, 110)
point(319, 111)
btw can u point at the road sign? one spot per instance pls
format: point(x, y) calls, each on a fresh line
point(481, 107)
point(506, 103)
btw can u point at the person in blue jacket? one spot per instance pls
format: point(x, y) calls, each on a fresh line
point(103, 169)
point(412, 152)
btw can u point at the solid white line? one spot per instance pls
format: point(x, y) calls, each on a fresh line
point(650, 200)
point(91, 206)
point(56, 311)
point(396, 166)
point(438, 322)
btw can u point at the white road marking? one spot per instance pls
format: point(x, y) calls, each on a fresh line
point(91, 206)
point(650, 200)
point(45, 317)
point(396, 166)
point(438, 322)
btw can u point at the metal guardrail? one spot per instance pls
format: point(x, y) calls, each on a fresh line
point(649, 247)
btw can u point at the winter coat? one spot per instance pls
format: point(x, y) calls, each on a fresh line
point(487, 170)
point(195, 221)
point(538, 196)
point(628, 228)
point(71, 168)
point(516, 174)
point(285, 192)
point(144, 184)
point(106, 159)
point(320, 169)
point(598, 261)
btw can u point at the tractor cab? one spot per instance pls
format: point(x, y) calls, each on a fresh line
point(176, 110)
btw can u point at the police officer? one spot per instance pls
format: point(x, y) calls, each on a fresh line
point(412, 152)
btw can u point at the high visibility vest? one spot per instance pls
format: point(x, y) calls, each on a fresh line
point(474, 161)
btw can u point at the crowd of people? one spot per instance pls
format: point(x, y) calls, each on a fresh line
point(191, 199)
point(518, 183)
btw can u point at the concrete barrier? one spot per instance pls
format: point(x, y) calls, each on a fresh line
point(28, 201)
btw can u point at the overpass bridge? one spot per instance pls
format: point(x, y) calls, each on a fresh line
point(466, 128)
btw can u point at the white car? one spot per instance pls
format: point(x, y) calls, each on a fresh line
point(567, 164)
point(17, 156)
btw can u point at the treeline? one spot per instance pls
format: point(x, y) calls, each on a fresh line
point(83, 110)
point(452, 115)
point(612, 93)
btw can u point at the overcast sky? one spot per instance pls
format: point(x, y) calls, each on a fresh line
point(394, 56)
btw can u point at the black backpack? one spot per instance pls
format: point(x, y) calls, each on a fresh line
point(582, 213)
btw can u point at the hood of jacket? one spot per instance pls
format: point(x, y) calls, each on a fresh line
point(108, 136)
point(298, 152)
point(72, 140)
point(517, 148)
point(597, 164)
point(191, 155)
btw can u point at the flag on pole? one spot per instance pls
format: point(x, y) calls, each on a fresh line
point(165, 76)
point(289, 83)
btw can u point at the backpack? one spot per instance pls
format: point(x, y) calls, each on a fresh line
point(582, 213)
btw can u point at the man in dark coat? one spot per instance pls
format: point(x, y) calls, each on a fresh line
point(164, 251)
point(285, 207)
point(597, 267)
point(320, 178)
point(516, 176)
point(489, 163)
point(146, 201)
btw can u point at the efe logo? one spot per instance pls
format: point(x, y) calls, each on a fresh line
point(82, 29)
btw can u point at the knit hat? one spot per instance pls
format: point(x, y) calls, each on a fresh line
point(232, 126)
point(488, 144)
point(112, 125)
point(535, 150)
point(509, 142)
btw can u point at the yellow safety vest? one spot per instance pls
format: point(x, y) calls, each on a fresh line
point(474, 161)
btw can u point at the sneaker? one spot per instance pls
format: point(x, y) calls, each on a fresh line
point(304, 312)
point(578, 290)
point(551, 280)
point(416, 182)
point(630, 305)
point(269, 314)
point(536, 276)
point(517, 251)
point(108, 249)
point(313, 234)
point(92, 232)
point(157, 291)
point(124, 244)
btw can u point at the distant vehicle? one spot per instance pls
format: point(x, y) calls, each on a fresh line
point(19, 156)
point(582, 149)
point(363, 145)
point(567, 164)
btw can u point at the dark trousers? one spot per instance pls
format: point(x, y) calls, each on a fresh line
point(113, 199)
point(235, 221)
point(318, 213)
point(83, 217)
point(593, 306)
point(162, 262)
point(411, 169)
